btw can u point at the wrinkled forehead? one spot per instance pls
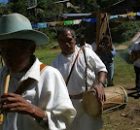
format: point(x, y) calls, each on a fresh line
point(68, 33)
point(65, 35)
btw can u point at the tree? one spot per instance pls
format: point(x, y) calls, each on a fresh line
point(19, 6)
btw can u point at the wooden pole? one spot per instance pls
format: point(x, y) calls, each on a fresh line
point(6, 86)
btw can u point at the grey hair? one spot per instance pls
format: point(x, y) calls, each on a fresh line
point(63, 30)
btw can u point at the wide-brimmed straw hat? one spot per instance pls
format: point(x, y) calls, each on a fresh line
point(17, 26)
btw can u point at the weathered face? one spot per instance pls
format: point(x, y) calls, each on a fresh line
point(66, 42)
point(16, 53)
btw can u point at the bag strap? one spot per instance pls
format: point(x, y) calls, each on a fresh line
point(84, 52)
point(42, 66)
point(72, 67)
point(25, 84)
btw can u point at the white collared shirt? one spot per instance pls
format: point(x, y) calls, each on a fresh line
point(48, 92)
point(76, 83)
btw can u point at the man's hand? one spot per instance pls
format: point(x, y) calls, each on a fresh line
point(12, 102)
point(100, 91)
point(15, 103)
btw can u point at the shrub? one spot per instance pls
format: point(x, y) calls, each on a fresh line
point(125, 31)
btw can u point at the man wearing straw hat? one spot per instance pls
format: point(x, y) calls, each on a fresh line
point(33, 96)
point(82, 69)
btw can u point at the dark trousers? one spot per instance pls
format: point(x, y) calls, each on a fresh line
point(137, 80)
point(110, 68)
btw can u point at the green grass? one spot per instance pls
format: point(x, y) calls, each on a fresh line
point(46, 55)
point(124, 72)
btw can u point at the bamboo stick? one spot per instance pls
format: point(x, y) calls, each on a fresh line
point(6, 86)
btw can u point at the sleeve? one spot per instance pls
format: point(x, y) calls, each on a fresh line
point(94, 62)
point(59, 108)
point(131, 49)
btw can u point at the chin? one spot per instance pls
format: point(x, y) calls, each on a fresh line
point(14, 69)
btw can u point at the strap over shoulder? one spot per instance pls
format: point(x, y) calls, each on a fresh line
point(42, 66)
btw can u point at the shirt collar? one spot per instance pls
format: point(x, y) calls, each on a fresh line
point(33, 72)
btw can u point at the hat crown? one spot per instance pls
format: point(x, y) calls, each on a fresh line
point(13, 23)
point(17, 26)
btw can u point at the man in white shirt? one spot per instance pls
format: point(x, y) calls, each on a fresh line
point(134, 53)
point(35, 97)
point(96, 76)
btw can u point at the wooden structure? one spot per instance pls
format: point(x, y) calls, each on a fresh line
point(102, 27)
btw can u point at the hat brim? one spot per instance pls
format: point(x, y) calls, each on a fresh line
point(38, 37)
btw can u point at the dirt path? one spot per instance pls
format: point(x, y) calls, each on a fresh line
point(121, 47)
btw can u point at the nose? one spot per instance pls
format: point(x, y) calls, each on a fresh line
point(67, 44)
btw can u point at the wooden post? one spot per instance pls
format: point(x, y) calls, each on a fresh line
point(102, 27)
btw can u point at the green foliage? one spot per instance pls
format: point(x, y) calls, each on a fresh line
point(85, 5)
point(52, 41)
point(51, 33)
point(3, 9)
point(107, 3)
point(50, 8)
point(19, 6)
point(125, 30)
